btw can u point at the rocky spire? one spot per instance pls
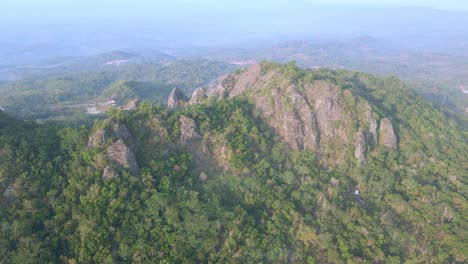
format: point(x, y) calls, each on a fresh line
point(198, 96)
point(176, 99)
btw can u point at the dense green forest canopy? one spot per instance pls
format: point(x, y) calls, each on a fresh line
point(214, 184)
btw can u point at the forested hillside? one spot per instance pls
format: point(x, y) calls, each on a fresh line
point(274, 165)
point(66, 92)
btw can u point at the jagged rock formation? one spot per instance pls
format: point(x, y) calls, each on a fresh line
point(293, 121)
point(371, 133)
point(188, 130)
point(387, 134)
point(219, 92)
point(176, 99)
point(98, 138)
point(110, 173)
point(212, 156)
point(123, 156)
point(198, 96)
point(360, 151)
point(118, 153)
point(313, 115)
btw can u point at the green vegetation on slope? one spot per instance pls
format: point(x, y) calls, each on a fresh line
point(236, 194)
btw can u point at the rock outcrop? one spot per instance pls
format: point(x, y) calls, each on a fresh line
point(188, 130)
point(198, 96)
point(123, 156)
point(245, 81)
point(371, 133)
point(98, 138)
point(315, 115)
point(177, 99)
point(131, 105)
point(360, 147)
point(387, 134)
point(292, 120)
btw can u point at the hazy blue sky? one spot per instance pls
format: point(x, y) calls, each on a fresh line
point(21, 8)
point(209, 22)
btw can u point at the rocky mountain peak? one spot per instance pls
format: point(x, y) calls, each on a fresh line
point(177, 99)
point(197, 96)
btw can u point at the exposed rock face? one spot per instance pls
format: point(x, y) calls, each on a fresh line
point(176, 99)
point(309, 117)
point(188, 130)
point(331, 117)
point(293, 121)
point(360, 148)
point(387, 134)
point(131, 105)
point(110, 173)
point(198, 96)
point(245, 81)
point(98, 138)
point(220, 93)
point(228, 83)
point(371, 135)
point(122, 156)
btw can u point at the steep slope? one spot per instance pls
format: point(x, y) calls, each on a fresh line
point(309, 110)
